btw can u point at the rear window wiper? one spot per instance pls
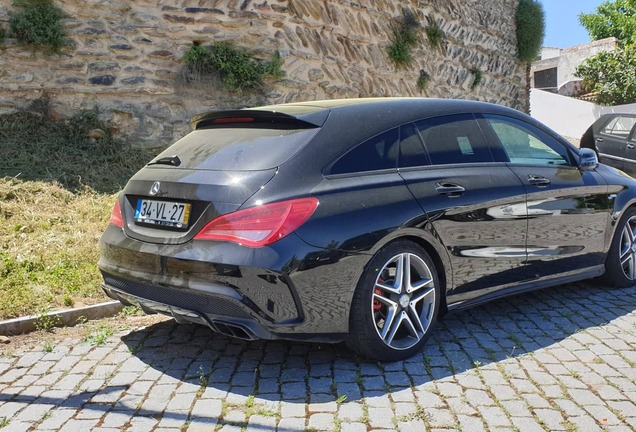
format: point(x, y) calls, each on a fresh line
point(168, 160)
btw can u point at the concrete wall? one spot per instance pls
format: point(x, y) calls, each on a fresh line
point(125, 56)
point(568, 116)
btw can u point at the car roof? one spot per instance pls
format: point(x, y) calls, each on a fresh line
point(390, 109)
point(378, 103)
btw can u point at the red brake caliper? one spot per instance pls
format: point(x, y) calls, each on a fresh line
point(376, 303)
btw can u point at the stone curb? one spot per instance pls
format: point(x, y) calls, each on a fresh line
point(68, 317)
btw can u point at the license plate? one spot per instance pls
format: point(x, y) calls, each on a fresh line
point(164, 213)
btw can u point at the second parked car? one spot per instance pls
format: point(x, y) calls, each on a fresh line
point(613, 137)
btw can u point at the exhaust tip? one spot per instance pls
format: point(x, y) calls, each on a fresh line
point(234, 330)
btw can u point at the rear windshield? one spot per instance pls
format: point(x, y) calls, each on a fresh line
point(238, 149)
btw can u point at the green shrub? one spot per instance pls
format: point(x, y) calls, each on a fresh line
point(423, 80)
point(237, 68)
point(530, 21)
point(37, 24)
point(404, 39)
point(478, 77)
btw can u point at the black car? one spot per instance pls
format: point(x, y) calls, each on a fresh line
point(613, 137)
point(362, 220)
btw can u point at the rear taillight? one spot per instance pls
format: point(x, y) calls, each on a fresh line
point(115, 216)
point(261, 225)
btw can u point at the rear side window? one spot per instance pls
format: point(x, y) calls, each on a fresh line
point(454, 139)
point(238, 149)
point(619, 127)
point(377, 153)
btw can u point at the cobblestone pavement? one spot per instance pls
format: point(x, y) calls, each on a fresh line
point(558, 359)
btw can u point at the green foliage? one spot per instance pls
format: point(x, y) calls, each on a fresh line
point(615, 18)
point(404, 39)
point(99, 336)
point(612, 74)
point(530, 20)
point(434, 33)
point(479, 77)
point(423, 80)
point(237, 68)
point(45, 322)
point(38, 25)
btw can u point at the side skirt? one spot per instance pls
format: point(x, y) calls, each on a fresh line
point(524, 287)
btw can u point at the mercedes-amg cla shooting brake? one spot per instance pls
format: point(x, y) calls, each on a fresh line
point(362, 220)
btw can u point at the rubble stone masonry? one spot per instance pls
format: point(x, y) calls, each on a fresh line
point(125, 56)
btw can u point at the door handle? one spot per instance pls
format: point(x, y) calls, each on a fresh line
point(599, 139)
point(630, 146)
point(451, 190)
point(539, 181)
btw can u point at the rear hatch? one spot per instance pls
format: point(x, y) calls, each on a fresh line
point(211, 171)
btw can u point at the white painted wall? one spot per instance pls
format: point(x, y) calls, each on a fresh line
point(568, 116)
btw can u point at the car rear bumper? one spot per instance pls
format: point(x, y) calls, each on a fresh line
point(289, 290)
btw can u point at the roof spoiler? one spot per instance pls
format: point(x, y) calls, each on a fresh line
point(247, 117)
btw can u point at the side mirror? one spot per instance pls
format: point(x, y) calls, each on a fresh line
point(588, 160)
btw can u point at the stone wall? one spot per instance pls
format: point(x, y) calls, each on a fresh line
point(125, 57)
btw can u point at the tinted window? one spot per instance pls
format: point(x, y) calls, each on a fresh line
point(377, 153)
point(525, 144)
point(241, 149)
point(412, 151)
point(619, 126)
point(454, 139)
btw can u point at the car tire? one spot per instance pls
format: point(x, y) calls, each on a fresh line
point(620, 263)
point(395, 304)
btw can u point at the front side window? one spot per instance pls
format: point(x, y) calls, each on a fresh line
point(619, 127)
point(525, 144)
point(377, 153)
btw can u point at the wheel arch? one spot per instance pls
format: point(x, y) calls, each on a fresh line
point(435, 250)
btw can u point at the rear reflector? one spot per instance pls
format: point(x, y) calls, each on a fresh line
point(261, 225)
point(115, 216)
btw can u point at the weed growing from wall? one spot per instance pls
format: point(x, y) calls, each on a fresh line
point(404, 39)
point(423, 80)
point(236, 68)
point(434, 33)
point(478, 77)
point(37, 24)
